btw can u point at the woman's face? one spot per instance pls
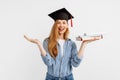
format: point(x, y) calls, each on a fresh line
point(62, 26)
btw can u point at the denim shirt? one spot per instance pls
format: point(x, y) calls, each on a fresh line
point(61, 66)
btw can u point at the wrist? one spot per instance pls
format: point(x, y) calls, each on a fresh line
point(38, 44)
point(84, 43)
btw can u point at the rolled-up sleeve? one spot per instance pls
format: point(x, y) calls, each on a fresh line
point(48, 60)
point(75, 60)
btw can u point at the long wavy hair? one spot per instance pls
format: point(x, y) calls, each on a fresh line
point(52, 44)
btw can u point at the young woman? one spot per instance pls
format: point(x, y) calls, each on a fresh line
point(59, 52)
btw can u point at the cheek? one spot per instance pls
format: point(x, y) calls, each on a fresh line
point(58, 25)
point(66, 26)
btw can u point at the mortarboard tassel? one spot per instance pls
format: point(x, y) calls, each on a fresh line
point(71, 22)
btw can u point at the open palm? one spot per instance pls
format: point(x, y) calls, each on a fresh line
point(94, 39)
point(36, 41)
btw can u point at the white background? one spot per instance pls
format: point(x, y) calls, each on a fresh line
point(21, 60)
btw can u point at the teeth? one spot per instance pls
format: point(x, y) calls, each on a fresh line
point(61, 29)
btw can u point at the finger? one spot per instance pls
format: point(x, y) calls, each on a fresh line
point(26, 38)
point(99, 37)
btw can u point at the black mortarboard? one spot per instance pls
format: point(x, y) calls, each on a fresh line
point(61, 14)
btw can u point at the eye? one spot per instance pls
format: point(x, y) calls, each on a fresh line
point(58, 22)
point(64, 22)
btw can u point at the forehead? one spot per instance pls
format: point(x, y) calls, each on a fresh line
point(61, 20)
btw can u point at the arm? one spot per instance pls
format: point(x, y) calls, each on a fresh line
point(48, 60)
point(41, 49)
point(77, 56)
point(84, 43)
point(81, 50)
point(75, 59)
point(36, 41)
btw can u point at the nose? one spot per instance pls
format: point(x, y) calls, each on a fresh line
point(61, 24)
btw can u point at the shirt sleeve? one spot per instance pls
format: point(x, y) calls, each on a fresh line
point(48, 60)
point(75, 59)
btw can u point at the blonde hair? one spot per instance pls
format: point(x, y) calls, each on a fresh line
point(52, 44)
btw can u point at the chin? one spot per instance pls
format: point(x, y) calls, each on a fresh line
point(61, 33)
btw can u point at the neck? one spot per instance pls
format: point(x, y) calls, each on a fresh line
point(61, 36)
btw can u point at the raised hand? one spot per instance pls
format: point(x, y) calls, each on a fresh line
point(36, 41)
point(84, 42)
point(93, 39)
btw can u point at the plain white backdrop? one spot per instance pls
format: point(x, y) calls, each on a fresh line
point(21, 60)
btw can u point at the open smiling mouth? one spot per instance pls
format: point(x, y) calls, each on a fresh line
point(61, 29)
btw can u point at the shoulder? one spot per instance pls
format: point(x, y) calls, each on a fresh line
point(70, 41)
point(45, 41)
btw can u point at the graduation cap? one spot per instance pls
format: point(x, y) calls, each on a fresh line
point(61, 14)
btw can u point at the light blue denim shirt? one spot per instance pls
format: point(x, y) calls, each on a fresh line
point(61, 66)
